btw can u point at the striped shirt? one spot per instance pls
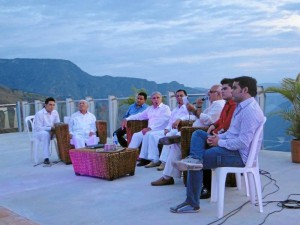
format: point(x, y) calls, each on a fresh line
point(246, 119)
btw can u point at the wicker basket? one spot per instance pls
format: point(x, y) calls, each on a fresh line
point(107, 165)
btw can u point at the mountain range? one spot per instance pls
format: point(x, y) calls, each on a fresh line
point(62, 78)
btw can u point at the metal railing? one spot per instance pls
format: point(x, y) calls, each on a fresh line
point(112, 109)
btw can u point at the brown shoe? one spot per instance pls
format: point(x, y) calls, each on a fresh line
point(162, 181)
point(161, 167)
point(152, 164)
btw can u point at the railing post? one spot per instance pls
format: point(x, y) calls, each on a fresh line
point(171, 100)
point(37, 106)
point(261, 97)
point(112, 114)
point(91, 103)
point(25, 110)
point(70, 106)
point(18, 112)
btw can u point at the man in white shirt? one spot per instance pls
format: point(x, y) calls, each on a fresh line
point(82, 127)
point(171, 129)
point(210, 115)
point(158, 115)
point(44, 126)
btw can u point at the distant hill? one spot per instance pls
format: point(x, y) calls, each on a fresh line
point(10, 96)
point(62, 78)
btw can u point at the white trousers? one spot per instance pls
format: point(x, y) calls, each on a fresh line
point(173, 153)
point(79, 140)
point(43, 137)
point(149, 142)
point(165, 150)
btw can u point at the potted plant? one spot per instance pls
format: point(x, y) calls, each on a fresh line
point(290, 89)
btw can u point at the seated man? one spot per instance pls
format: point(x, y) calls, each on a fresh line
point(205, 118)
point(82, 127)
point(158, 115)
point(218, 127)
point(178, 112)
point(233, 145)
point(138, 106)
point(44, 126)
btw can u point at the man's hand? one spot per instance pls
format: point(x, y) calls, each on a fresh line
point(145, 130)
point(176, 123)
point(211, 128)
point(166, 131)
point(91, 133)
point(213, 140)
point(124, 124)
point(190, 107)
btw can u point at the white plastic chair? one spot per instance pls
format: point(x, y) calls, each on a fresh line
point(29, 123)
point(250, 172)
point(34, 143)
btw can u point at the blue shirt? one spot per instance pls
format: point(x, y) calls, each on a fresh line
point(134, 109)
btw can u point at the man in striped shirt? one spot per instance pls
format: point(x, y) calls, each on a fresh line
point(227, 149)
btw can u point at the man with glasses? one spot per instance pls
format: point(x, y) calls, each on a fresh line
point(210, 115)
point(218, 127)
point(227, 149)
point(139, 106)
point(158, 115)
point(44, 126)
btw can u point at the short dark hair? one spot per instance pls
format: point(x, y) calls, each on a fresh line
point(228, 81)
point(49, 99)
point(248, 82)
point(184, 91)
point(143, 94)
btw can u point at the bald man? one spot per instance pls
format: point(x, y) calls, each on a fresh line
point(82, 127)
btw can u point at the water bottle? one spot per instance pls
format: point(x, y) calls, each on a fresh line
point(115, 139)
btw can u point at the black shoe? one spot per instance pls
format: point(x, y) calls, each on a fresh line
point(205, 193)
point(46, 161)
point(143, 162)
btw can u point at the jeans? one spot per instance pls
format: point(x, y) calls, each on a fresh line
point(211, 158)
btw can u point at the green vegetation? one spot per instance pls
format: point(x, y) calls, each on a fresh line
point(290, 89)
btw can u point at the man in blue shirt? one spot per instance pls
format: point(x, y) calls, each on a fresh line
point(135, 108)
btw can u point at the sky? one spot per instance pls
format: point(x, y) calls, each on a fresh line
point(196, 43)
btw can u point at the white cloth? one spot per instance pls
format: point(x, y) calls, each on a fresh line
point(80, 125)
point(210, 115)
point(150, 149)
point(157, 117)
point(157, 120)
point(43, 122)
point(174, 154)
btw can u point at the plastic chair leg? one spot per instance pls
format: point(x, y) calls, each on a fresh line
point(221, 176)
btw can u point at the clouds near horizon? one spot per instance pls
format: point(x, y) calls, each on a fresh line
point(196, 43)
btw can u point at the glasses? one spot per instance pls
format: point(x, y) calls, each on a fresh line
point(212, 91)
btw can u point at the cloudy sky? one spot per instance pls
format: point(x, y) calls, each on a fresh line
point(193, 42)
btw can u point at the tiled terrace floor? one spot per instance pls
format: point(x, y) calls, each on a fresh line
point(54, 195)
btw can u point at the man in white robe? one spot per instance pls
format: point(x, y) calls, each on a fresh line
point(82, 127)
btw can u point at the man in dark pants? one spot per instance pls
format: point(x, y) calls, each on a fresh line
point(220, 126)
point(135, 108)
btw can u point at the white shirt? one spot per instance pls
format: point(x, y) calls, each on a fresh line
point(158, 117)
point(82, 123)
point(177, 113)
point(211, 114)
point(43, 120)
